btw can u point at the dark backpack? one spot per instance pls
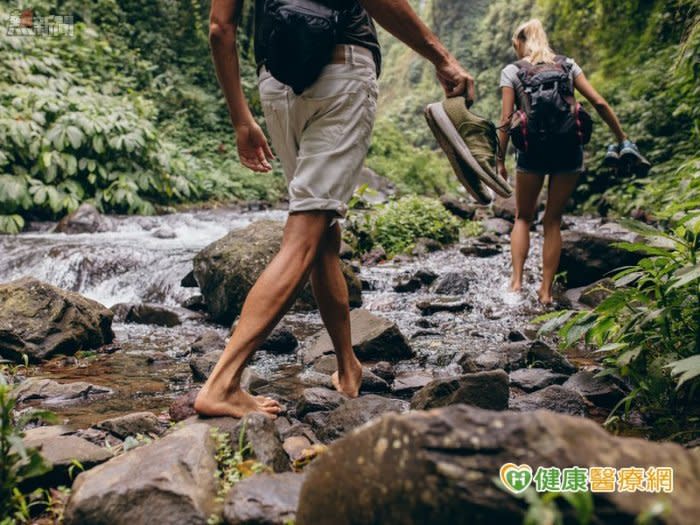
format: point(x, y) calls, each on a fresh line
point(299, 36)
point(548, 115)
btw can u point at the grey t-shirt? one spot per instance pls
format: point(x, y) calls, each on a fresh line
point(509, 74)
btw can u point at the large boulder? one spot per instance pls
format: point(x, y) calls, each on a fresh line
point(589, 257)
point(264, 499)
point(439, 467)
point(86, 219)
point(373, 338)
point(171, 480)
point(59, 452)
point(555, 398)
point(227, 269)
point(41, 320)
point(482, 389)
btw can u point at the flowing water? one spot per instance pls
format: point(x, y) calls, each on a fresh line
point(149, 365)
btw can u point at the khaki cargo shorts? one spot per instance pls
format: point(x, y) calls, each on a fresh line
point(322, 136)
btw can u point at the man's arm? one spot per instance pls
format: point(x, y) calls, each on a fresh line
point(399, 18)
point(253, 149)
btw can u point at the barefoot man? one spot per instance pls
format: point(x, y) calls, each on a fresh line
point(321, 136)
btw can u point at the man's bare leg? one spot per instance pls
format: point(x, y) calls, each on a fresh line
point(331, 293)
point(269, 299)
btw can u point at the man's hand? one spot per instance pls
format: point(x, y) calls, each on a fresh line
point(455, 80)
point(253, 149)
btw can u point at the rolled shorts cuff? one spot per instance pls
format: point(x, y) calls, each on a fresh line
point(316, 204)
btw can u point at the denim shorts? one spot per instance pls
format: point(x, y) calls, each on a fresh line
point(557, 161)
point(322, 135)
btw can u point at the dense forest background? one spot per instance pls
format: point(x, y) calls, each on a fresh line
point(127, 113)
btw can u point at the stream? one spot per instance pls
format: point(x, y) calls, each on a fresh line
point(148, 366)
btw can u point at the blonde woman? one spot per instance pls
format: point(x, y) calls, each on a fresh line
point(540, 87)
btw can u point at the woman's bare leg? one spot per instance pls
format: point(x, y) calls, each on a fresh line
point(561, 187)
point(527, 189)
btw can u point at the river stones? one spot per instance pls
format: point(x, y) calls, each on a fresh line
point(41, 320)
point(439, 467)
point(171, 480)
point(515, 355)
point(209, 341)
point(316, 399)
point(458, 207)
point(146, 423)
point(329, 426)
point(453, 283)
point(227, 269)
point(530, 379)
point(589, 257)
point(601, 391)
point(408, 382)
point(59, 452)
point(479, 249)
point(373, 338)
point(280, 341)
point(554, 397)
point(483, 389)
point(149, 313)
point(269, 499)
point(443, 304)
point(86, 219)
point(497, 226)
point(50, 391)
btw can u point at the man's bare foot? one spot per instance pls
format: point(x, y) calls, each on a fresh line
point(515, 286)
point(349, 383)
point(237, 404)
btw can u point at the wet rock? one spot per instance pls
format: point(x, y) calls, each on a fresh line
point(516, 335)
point(209, 341)
point(406, 383)
point(269, 499)
point(172, 478)
point(385, 370)
point(512, 356)
point(530, 379)
point(280, 341)
point(438, 467)
point(41, 320)
point(601, 391)
point(453, 283)
point(406, 285)
point(374, 256)
point(480, 250)
point(227, 269)
point(372, 382)
point(189, 281)
point(483, 389)
point(156, 314)
point(589, 257)
point(183, 406)
point(443, 304)
point(164, 232)
point(425, 276)
point(597, 292)
point(351, 414)
point(295, 446)
point(327, 365)
point(458, 207)
point(555, 398)
point(504, 208)
point(195, 303)
point(318, 399)
point(202, 365)
point(497, 226)
point(311, 378)
point(425, 246)
point(145, 423)
point(50, 391)
point(86, 219)
point(373, 338)
point(59, 452)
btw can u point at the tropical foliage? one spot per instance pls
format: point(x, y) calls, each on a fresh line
point(647, 329)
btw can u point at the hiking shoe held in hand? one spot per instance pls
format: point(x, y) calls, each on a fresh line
point(472, 138)
point(612, 156)
point(630, 156)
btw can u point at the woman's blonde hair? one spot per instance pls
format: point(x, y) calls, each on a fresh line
point(535, 42)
